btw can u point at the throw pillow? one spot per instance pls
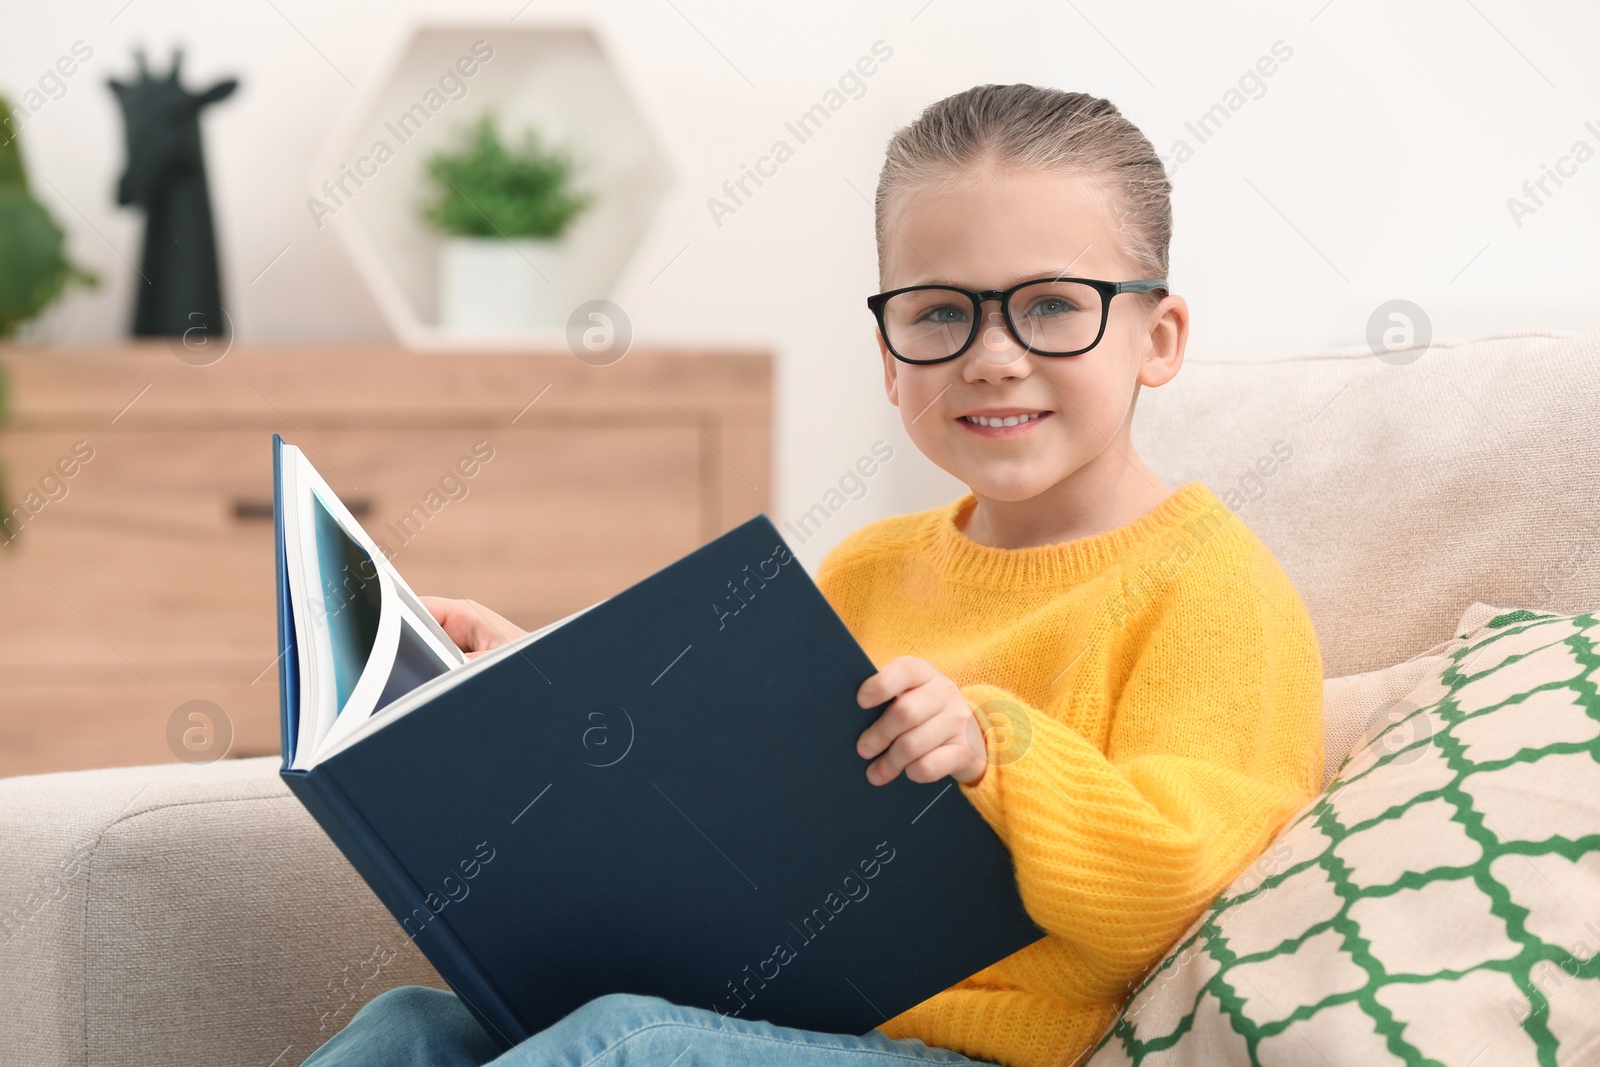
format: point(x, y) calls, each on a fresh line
point(1436, 904)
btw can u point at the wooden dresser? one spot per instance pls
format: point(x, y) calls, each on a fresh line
point(143, 579)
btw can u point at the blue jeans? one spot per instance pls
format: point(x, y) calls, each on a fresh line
point(418, 1026)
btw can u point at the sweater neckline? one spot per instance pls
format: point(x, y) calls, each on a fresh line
point(959, 558)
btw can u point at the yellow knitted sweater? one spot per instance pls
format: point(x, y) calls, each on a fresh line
point(1152, 704)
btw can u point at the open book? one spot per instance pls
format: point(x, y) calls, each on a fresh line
point(657, 794)
point(366, 642)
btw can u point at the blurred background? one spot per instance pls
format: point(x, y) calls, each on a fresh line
point(627, 245)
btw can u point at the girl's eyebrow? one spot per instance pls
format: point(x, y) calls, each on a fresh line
point(1025, 276)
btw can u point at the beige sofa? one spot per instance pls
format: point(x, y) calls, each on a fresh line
point(178, 915)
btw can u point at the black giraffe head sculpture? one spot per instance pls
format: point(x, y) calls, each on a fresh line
point(179, 289)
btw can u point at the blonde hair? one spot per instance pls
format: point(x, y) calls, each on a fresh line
point(1026, 127)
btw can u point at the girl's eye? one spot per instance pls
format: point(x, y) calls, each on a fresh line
point(943, 315)
point(1051, 306)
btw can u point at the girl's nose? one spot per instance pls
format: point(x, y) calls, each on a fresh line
point(995, 345)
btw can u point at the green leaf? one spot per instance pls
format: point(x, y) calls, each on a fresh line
point(485, 189)
point(33, 267)
point(12, 174)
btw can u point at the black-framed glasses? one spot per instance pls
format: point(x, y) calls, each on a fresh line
point(1058, 316)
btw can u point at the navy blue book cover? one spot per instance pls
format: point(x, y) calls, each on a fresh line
point(663, 796)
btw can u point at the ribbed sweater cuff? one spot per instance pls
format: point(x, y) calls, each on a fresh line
point(990, 706)
point(1086, 842)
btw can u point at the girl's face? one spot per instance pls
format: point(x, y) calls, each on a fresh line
point(992, 231)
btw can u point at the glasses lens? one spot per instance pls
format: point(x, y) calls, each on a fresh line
point(927, 323)
point(1057, 316)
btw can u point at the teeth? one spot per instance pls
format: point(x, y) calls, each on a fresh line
point(1009, 420)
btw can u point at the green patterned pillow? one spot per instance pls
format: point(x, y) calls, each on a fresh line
point(1438, 904)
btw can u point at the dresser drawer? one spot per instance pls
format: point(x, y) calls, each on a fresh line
point(144, 579)
point(554, 520)
point(162, 542)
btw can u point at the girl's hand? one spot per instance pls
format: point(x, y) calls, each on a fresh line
point(929, 729)
point(474, 628)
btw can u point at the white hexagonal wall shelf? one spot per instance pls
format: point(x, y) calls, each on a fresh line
point(369, 180)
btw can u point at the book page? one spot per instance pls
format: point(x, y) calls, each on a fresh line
point(433, 686)
point(366, 638)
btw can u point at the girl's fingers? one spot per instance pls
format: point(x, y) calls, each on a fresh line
point(913, 745)
point(450, 620)
point(898, 675)
point(492, 629)
point(946, 759)
point(910, 709)
point(473, 627)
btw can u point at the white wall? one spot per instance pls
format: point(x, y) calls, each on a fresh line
point(1376, 163)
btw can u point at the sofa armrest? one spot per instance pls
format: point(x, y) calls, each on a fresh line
point(177, 914)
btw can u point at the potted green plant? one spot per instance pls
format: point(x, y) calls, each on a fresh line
point(33, 269)
point(504, 211)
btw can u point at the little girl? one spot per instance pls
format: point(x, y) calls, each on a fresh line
point(1118, 674)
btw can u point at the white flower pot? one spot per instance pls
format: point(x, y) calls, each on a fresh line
point(495, 285)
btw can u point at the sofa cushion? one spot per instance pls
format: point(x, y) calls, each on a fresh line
point(1436, 901)
point(1352, 703)
point(181, 914)
point(1394, 490)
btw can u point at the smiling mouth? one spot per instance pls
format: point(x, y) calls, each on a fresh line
point(1009, 425)
point(1009, 420)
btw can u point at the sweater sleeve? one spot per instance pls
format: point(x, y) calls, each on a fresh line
point(1214, 742)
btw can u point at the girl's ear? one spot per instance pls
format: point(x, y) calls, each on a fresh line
point(1169, 334)
point(891, 370)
